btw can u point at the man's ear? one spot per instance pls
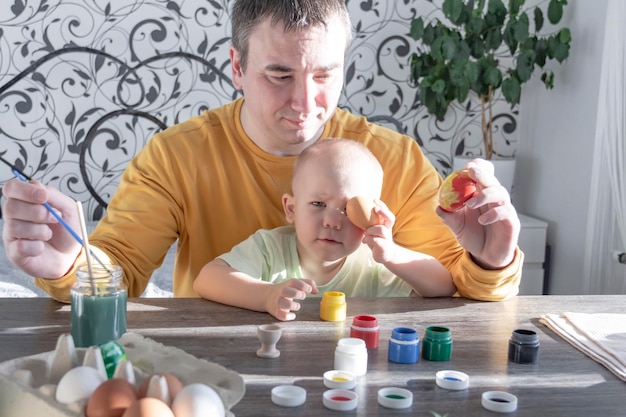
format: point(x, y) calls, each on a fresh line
point(235, 64)
point(289, 204)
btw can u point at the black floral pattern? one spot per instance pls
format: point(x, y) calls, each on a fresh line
point(85, 83)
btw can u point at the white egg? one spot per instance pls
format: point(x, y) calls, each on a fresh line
point(198, 400)
point(78, 384)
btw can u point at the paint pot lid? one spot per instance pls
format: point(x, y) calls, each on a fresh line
point(452, 380)
point(499, 401)
point(288, 395)
point(392, 397)
point(340, 399)
point(339, 379)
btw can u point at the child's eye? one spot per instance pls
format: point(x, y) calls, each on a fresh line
point(318, 204)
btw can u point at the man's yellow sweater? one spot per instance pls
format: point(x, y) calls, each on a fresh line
point(205, 183)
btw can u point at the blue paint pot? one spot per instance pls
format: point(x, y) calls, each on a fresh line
point(403, 345)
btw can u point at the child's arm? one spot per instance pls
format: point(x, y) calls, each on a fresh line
point(425, 274)
point(218, 281)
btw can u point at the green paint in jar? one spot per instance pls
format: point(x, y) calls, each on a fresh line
point(98, 305)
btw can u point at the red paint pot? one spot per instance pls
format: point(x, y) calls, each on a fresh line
point(366, 328)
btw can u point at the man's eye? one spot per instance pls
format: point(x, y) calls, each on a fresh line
point(280, 78)
point(324, 77)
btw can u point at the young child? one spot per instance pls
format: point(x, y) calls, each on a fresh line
point(322, 250)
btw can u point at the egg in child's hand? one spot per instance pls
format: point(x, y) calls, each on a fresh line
point(456, 189)
point(360, 211)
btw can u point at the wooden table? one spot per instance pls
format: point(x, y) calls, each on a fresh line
point(565, 382)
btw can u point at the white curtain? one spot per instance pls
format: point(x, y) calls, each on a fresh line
point(606, 227)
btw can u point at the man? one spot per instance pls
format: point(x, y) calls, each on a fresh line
point(215, 179)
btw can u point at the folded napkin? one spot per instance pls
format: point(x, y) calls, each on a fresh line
point(600, 336)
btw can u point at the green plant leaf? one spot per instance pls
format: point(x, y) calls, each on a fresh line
point(525, 65)
point(429, 35)
point(436, 49)
point(421, 65)
point(520, 28)
point(565, 36)
point(557, 50)
point(511, 90)
point(462, 51)
point(439, 86)
point(453, 10)
point(457, 75)
point(417, 28)
point(548, 79)
point(416, 68)
point(509, 37)
point(538, 17)
point(448, 48)
point(541, 51)
point(471, 71)
point(555, 11)
point(492, 76)
point(498, 11)
point(477, 46)
point(561, 52)
point(474, 25)
point(493, 39)
point(514, 6)
point(461, 93)
point(435, 103)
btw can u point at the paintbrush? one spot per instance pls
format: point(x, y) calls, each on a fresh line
point(25, 178)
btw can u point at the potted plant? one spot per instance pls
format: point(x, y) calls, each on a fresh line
point(484, 46)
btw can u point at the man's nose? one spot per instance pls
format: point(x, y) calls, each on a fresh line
point(304, 95)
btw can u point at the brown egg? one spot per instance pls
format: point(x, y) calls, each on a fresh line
point(173, 384)
point(111, 398)
point(148, 407)
point(360, 211)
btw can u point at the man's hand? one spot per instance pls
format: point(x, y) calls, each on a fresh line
point(488, 226)
point(34, 240)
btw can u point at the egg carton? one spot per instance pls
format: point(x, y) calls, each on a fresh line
point(28, 384)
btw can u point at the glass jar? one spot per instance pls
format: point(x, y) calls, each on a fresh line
point(98, 305)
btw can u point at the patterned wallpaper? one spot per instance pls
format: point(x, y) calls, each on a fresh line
point(85, 83)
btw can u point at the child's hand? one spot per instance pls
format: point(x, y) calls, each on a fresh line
point(280, 302)
point(379, 237)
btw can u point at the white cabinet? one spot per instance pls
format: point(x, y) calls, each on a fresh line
point(532, 241)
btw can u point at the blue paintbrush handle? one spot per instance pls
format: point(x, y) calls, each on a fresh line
point(56, 215)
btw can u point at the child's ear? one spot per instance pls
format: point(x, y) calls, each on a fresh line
point(289, 204)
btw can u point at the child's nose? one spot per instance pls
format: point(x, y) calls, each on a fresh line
point(334, 218)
